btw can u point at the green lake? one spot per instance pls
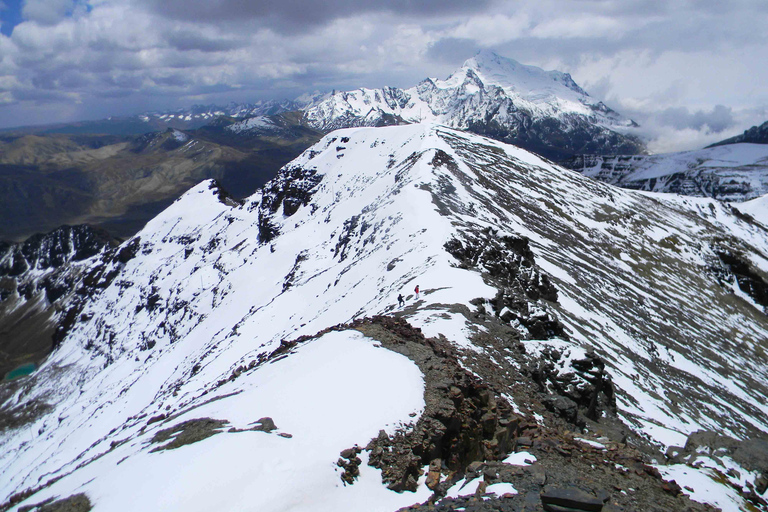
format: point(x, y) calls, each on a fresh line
point(21, 371)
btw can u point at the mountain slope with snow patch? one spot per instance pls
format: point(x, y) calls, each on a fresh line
point(734, 172)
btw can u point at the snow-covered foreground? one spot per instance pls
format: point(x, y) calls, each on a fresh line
point(359, 218)
point(332, 393)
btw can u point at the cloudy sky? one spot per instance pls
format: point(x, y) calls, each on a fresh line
point(691, 72)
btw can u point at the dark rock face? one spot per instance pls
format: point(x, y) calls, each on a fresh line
point(52, 250)
point(559, 140)
point(507, 263)
point(291, 189)
point(754, 135)
point(224, 196)
point(587, 391)
point(43, 267)
point(732, 266)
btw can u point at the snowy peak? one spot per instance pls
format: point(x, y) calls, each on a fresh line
point(528, 81)
point(542, 111)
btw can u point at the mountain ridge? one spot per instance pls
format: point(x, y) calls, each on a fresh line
point(754, 135)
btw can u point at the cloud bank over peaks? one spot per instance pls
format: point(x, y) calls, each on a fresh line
point(66, 60)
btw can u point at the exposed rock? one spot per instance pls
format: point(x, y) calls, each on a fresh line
point(564, 499)
point(187, 432)
point(350, 463)
point(507, 263)
point(265, 425)
point(734, 267)
point(291, 189)
point(37, 281)
point(74, 503)
point(587, 390)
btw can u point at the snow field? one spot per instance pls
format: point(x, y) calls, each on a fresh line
point(333, 393)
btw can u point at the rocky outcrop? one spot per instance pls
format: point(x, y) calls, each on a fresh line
point(74, 503)
point(291, 189)
point(187, 432)
point(583, 390)
point(507, 263)
point(52, 250)
point(733, 268)
point(464, 419)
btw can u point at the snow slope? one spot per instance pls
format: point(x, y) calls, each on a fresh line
point(734, 172)
point(357, 219)
point(757, 208)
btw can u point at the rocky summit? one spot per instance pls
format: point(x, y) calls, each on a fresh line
point(405, 318)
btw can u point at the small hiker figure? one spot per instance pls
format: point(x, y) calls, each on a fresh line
point(400, 299)
point(417, 291)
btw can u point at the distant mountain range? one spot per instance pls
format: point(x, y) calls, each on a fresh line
point(99, 171)
point(191, 118)
point(734, 169)
point(730, 172)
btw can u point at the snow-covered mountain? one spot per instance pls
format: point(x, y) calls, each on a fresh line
point(200, 115)
point(253, 356)
point(733, 172)
point(543, 111)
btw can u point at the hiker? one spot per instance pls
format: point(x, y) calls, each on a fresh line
point(400, 300)
point(417, 291)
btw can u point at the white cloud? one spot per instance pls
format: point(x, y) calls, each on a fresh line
point(578, 27)
point(46, 12)
point(492, 30)
point(641, 57)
